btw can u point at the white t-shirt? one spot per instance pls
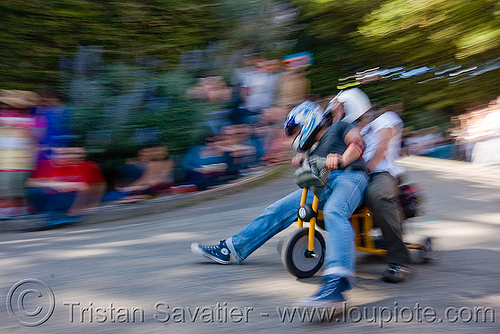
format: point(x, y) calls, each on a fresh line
point(371, 138)
point(260, 91)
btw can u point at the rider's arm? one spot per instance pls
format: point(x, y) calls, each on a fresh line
point(355, 147)
point(298, 159)
point(385, 136)
point(354, 150)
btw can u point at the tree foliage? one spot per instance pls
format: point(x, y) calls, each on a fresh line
point(430, 36)
point(38, 32)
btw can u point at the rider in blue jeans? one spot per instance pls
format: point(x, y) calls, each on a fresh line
point(342, 144)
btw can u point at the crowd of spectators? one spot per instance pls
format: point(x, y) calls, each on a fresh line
point(477, 134)
point(40, 169)
point(245, 128)
point(474, 137)
point(44, 168)
point(423, 142)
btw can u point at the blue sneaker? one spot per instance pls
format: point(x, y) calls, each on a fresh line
point(218, 253)
point(56, 219)
point(330, 294)
point(73, 219)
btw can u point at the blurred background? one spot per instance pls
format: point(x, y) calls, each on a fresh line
point(134, 100)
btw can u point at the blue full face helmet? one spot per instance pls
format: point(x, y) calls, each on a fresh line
point(309, 118)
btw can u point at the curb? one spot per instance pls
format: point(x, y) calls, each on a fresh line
point(115, 212)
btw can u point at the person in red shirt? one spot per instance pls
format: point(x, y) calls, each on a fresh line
point(66, 186)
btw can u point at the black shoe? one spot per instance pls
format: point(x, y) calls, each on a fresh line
point(218, 253)
point(396, 273)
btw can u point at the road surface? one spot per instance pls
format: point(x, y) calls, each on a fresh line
point(139, 276)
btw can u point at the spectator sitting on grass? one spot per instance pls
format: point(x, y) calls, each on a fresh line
point(66, 186)
point(159, 171)
point(149, 174)
point(235, 139)
point(207, 164)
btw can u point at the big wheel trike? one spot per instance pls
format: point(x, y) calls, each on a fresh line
point(303, 252)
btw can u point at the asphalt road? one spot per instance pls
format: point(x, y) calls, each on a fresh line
point(139, 276)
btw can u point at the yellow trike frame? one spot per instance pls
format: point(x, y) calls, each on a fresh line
point(299, 256)
point(361, 221)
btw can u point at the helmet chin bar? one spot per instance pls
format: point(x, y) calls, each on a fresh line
point(295, 144)
point(308, 143)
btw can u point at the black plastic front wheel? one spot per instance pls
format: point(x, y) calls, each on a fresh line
point(295, 257)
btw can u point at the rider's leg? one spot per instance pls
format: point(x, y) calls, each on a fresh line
point(382, 198)
point(347, 194)
point(274, 219)
point(347, 190)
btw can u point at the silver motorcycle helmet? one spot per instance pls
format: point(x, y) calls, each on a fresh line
point(355, 102)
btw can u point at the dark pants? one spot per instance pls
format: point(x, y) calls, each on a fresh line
point(203, 181)
point(382, 199)
point(46, 200)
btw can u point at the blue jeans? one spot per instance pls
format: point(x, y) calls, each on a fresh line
point(338, 204)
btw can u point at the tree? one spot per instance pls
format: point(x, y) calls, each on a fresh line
point(39, 32)
point(425, 39)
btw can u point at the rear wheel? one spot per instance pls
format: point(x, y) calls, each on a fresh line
point(427, 251)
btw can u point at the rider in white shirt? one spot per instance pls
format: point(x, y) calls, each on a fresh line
point(382, 139)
